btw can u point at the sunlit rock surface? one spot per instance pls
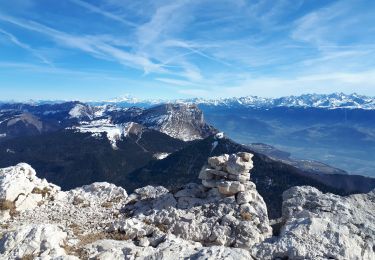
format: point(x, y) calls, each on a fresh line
point(222, 218)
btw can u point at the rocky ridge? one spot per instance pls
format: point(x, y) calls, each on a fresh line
point(323, 226)
point(222, 218)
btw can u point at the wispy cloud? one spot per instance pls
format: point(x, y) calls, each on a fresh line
point(25, 46)
point(337, 24)
point(176, 82)
point(91, 45)
point(95, 9)
point(32, 68)
point(161, 23)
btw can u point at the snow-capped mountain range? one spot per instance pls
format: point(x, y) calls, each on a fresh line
point(327, 101)
point(331, 101)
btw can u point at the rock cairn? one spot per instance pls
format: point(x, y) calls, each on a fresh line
point(226, 210)
point(229, 174)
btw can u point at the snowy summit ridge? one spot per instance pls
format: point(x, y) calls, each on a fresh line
point(328, 101)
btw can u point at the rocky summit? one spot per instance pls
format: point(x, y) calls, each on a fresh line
point(224, 217)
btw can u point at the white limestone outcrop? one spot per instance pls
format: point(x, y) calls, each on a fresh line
point(323, 226)
point(21, 190)
point(36, 242)
point(224, 218)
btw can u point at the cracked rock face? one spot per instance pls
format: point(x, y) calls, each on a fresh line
point(323, 226)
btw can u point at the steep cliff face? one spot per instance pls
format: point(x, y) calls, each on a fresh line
point(180, 121)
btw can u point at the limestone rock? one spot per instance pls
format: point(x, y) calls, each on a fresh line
point(228, 173)
point(205, 174)
point(220, 174)
point(220, 219)
point(132, 228)
point(243, 178)
point(239, 163)
point(218, 162)
point(191, 190)
point(323, 226)
point(151, 192)
point(210, 183)
point(44, 241)
point(246, 196)
point(204, 215)
point(20, 187)
point(97, 193)
point(230, 187)
point(171, 248)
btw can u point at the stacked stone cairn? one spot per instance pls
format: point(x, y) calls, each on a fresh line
point(230, 175)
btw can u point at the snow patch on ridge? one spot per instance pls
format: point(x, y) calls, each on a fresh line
point(113, 132)
point(161, 156)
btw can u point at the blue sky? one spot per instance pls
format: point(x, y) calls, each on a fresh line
point(96, 50)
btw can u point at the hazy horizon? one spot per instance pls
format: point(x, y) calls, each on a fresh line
point(139, 99)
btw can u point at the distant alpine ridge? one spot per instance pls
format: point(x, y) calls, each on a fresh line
point(331, 101)
point(327, 101)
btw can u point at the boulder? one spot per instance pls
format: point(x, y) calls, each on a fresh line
point(96, 193)
point(323, 226)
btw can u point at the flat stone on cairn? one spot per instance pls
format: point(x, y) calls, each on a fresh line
point(228, 173)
